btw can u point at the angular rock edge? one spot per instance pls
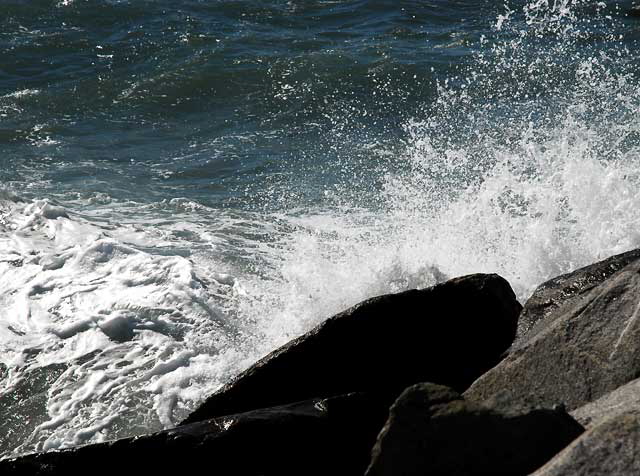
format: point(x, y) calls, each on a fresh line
point(565, 289)
point(579, 352)
point(621, 400)
point(611, 447)
point(450, 334)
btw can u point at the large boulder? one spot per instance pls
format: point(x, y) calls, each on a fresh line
point(577, 353)
point(432, 430)
point(450, 333)
point(566, 289)
point(611, 447)
point(315, 437)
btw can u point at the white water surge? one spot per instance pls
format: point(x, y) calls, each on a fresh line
point(119, 318)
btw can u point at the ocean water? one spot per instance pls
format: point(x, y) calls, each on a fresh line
point(186, 185)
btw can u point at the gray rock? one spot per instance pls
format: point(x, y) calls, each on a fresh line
point(611, 447)
point(450, 333)
point(621, 400)
point(432, 430)
point(578, 353)
point(566, 289)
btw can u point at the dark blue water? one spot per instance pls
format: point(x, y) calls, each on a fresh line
point(143, 100)
point(185, 185)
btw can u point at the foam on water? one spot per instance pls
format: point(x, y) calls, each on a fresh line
point(117, 318)
point(123, 322)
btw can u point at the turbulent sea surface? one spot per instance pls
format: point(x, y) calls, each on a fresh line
point(186, 185)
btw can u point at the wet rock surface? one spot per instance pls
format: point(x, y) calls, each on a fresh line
point(450, 334)
point(323, 436)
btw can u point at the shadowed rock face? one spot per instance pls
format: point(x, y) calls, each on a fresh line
point(611, 447)
point(579, 352)
point(432, 430)
point(315, 437)
point(449, 334)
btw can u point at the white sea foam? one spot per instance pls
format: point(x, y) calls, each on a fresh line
point(146, 309)
point(21, 93)
point(124, 322)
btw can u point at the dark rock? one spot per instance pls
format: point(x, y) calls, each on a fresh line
point(578, 353)
point(566, 289)
point(611, 447)
point(316, 437)
point(619, 401)
point(432, 430)
point(450, 333)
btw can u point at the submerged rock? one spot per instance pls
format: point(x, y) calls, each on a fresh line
point(432, 430)
point(611, 447)
point(578, 352)
point(450, 333)
point(315, 437)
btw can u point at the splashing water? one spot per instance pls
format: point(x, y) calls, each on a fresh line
point(118, 317)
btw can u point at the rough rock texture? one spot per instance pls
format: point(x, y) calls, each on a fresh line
point(578, 353)
point(566, 289)
point(432, 430)
point(316, 437)
point(450, 334)
point(619, 401)
point(611, 448)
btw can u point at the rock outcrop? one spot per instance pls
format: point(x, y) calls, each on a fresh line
point(567, 289)
point(432, 430)
point(450, 334)
point(578, 352)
